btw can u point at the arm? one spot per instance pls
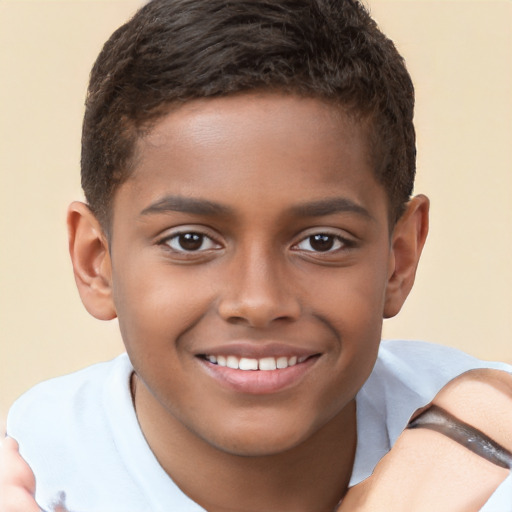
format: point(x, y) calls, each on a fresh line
point(427, 470)
point(17, 482)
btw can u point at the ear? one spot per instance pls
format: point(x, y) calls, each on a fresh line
point(407, 241)
point(88, 247)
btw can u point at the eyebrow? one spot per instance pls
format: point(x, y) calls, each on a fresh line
point(205, 207)
point(186, 205)
point(330, 206)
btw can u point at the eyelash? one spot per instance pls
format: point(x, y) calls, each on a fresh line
point(196, 239)
point(335, 243)
point(192, 237)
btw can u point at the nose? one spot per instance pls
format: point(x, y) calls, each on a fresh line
point(258, 292)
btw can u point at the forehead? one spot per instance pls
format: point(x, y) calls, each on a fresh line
point(264, 148)
point(252, 118)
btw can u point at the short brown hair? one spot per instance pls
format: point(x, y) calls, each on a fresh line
point(174, 51)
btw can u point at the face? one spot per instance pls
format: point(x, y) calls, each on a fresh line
point(250, 259)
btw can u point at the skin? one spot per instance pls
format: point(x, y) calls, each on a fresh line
point(427, 471)
point(422, 472)
point(17, 482)
point(259, 279)
point(265, 161)
point(280, 170)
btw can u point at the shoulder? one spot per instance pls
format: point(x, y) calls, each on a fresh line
point(74, 386)
point(408, 375)
point(459, 383)
point(64, 430)
point(56, 404)
point(429, 366)
point(427, 354)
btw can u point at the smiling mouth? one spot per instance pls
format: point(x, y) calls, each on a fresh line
point(252, 364)
point(251, 371)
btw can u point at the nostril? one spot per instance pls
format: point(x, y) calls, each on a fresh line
point(259, 313)
point(236, 320)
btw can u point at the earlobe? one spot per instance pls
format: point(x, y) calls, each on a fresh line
point(89, 251)
point(407, 242)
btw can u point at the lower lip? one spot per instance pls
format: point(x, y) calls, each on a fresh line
point(259, 382)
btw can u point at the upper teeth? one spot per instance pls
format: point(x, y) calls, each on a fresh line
point(246, 363)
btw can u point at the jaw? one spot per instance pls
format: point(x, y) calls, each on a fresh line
point(264, 463)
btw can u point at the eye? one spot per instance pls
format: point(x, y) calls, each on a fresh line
point(323, 242)
point(190, 242)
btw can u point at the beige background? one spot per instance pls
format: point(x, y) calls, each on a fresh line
point(460, 55)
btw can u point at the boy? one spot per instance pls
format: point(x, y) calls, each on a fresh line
point(248, 169)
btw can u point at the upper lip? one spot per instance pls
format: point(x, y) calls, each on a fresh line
point(257, 350)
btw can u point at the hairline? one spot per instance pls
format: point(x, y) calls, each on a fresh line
point(142, 129)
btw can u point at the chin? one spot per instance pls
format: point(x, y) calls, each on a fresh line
point(260, 448)
point(263, 441)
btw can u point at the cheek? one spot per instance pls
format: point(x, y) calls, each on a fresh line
point(352, 302)
point(352, 298)
point(156, 305)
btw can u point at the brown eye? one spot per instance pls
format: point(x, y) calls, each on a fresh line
point(191, 242)
point(321, 242)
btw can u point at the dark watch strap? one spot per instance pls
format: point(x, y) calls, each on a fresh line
point(437, 419)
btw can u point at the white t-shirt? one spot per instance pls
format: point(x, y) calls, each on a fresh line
point(80, 434)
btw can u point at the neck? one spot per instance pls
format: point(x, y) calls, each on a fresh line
point(311, 477)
